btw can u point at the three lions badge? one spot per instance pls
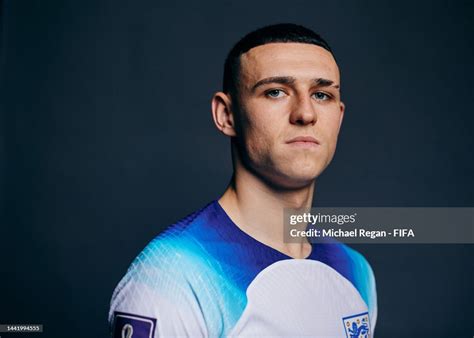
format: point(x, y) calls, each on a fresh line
point(357, 326)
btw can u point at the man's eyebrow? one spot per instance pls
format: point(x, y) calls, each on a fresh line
point(274, 79)
point(290, 80)
point(325, 83)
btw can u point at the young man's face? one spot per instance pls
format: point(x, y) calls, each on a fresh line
point(288, 91)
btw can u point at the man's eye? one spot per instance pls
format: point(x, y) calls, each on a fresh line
point(321, 96)
point(274, 93)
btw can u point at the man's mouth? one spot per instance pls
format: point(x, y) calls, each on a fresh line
point(304, 141)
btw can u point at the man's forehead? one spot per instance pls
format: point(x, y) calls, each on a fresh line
point(300, 60)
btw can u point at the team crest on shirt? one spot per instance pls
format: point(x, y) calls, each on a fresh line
point(127, 325)
point(357, 326)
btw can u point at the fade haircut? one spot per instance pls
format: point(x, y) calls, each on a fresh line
point(283, 32)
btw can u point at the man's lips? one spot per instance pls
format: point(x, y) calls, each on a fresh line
point(304, 140)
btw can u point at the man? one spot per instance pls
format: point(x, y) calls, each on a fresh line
point(225, 270)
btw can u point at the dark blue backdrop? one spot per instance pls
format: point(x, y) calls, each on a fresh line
point(107, 138)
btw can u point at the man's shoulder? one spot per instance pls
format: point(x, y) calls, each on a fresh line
point(356, 256)
point(179, 279)
point(167, 264)
point(358, 263)
point(178, 243)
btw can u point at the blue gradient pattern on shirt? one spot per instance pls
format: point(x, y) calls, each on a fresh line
point(212, 259)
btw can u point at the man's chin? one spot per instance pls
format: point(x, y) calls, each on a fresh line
point(295, 181)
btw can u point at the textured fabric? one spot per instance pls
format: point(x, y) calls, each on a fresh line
point(204, 277)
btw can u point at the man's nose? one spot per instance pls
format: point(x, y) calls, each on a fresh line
point(303, 111)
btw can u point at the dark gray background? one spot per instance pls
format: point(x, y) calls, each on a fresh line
point(107, 137)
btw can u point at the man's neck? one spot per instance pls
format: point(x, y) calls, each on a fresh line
point(257, 209)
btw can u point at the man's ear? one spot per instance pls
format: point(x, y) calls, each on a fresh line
point(342, 108)
point(222, 113)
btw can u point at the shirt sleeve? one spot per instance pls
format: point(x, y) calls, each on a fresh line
point(154, 300)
